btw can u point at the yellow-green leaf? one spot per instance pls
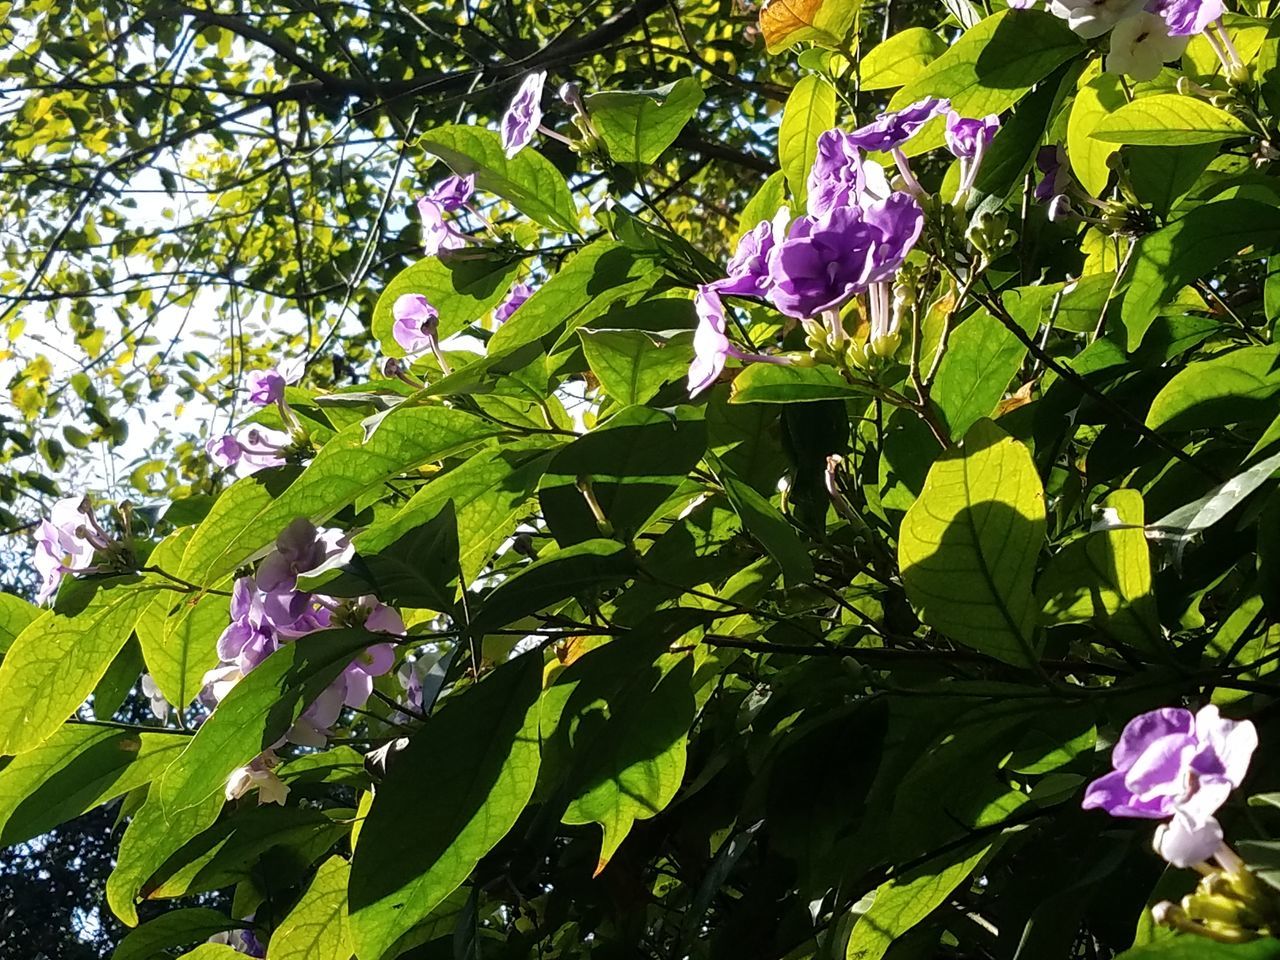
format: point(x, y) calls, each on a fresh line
point(1098, 95)
point(784, 23)
point(810, 109)
point(900, 58)
point(1169, 119)
point(317, 929)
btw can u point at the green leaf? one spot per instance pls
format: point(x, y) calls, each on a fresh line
point(317, 928)
point(477, 759)
point(16, 615)
point(1230, 388)
point(462, 289)
point(974, 373)
point(110, 692)
point(775, 383)
point(810, 109)
point(1076, 306)
point(764, 203)
point(1105, 576)
point(615, 725)
point(904, 901)
point(989, 68)
point(636, 126)
point(489, 493)
point(763, 521)
point(178, 631)
point(552, 578)
point(968, 546)
point(212, 951)
point(1098, 95)
point(150, 839)
point(177, 928)
point(75, 770)
point(1169, 120)
point(784, 23)
point(1200, 515)
point(231, 849)
point(244, 520)
point(635, 461)
point(1166, 261)
point(1163, 175)
point(256, 713)
point(528, 180)
point(900, 58)
point(633, 365)
point(55, 663)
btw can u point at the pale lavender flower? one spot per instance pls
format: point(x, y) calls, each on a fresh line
point(514, 301)
point(437, 234)
point(360, 673)
point(710, 345)
point(1171, 763)
point(301, 549)
point(524, 115)
point(416, 323)
point(224, 451)
point(260, 448)
point(265, 387)
point(453, 192)
point(65, 543)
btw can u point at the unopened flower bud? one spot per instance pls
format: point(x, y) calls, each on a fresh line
point(392, 367)
point(990, 234)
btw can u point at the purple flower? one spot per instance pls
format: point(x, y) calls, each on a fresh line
point(840, 176)
point(523, 115)
point(65, 543)
point(381, 618)
point(224, 451)
point(515, 300)
point(312, 728)
point(260, 448)
point(891, 130)
point(265, 387)
point(437, 235)
point(826, 260)
point(411, 680)
point(359, 674)
point(303, 548)
point(1186, 17)
point(1170, 763)
point(1051, 161)
point(966, 138)
point(710, 345)
point(453, 192)
point(748, 269)
point(416, 322)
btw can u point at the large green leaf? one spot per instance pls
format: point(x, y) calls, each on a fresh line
point(1105, 576)
point(1098, 95)
point(475, 761)
point(900, 58)
point(1168, 120)
point(990, 68)
point(615, 724)
point(1201, 948)
point(75, 770)
point(15, 615)
point(810, 109)
point(633, 365)
point(529, 180)
point(635, 461)
point(981, 358)
point(57, 660)
point(904, 901)
point(774, 383)
point(764, 522)
point(243, 521)
point(155, 939)
point(1230, 388)
point(968, 546)
point(1172, 257)
point(488, 492)
point(256, 713)
point(637, 126)
point(317, 928)
point(462, 289)
point(149, 840)
point(1203, 513)
point(590, 565)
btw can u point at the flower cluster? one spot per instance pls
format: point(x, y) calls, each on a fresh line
point(268, 610)
point(1177, 767)
point(66, 543)
point(448, 196)
point(852, 240)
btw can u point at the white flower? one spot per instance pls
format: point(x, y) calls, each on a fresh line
point(159, 705)
point(260, 774)
point(1093, 18)
point(1141, 45)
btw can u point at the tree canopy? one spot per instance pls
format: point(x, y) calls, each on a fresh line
point(662, 479)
